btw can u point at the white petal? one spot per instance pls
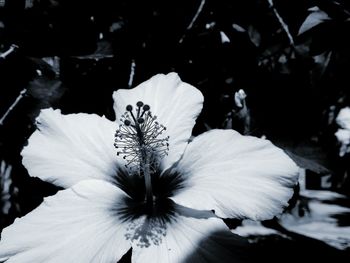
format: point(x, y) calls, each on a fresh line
point(175, 103)
point(343, 118)
point(237, 176)
point(188, 239)
point(343, 137)
point(76, 225)
point(69, 148)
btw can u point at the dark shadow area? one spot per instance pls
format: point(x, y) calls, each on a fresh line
point(221, 246)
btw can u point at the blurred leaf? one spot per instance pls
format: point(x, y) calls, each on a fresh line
point(238, 28)
point(254, 36)
point(103, 50)
point(224, 38)
point(308, 162)
point(48, 66)
point(44, 89)
point(29, 4)
point(46, 92)
point(303, 49)
point(306, 154)
point(316, 17)
point(54, 62)
point(321, 62)
point(116, 26)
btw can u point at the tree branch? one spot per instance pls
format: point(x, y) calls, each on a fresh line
point(199, 10)
point(283, 24)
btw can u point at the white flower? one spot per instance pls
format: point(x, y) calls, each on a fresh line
point(160, 204)
point(343, 137)
point(343, 118)
point(343, 133)
point(240, 97)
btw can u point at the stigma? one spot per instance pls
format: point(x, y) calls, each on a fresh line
point(140, 138)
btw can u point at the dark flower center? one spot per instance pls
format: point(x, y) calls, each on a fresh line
point(163, 186)
point(147, 224)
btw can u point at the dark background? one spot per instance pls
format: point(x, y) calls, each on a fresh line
point(295, 86)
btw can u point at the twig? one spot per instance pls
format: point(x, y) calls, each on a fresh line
point(341, 6)
point(132, 73)
point(283, 24)
point(8, 52)
point(20, 96)
point(199, 10)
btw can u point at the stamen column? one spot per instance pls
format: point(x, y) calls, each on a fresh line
point(139, 140)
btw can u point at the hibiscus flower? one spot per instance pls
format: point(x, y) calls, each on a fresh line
point(139, 183)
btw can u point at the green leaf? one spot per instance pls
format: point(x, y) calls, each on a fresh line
point(316, 17)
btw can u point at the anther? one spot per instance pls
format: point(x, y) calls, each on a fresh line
point(139, 138)
point(127, 122)
point(139, 104)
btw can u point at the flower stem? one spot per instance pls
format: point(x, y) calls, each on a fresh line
point(145, 165)
point(148, 183)
point(14, 104)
